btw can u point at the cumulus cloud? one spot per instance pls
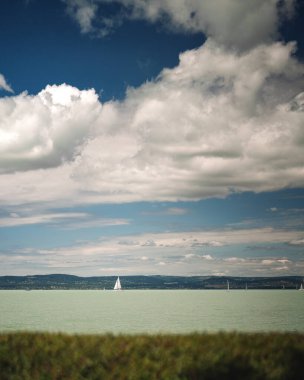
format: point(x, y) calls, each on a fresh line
point(234, 23)
point(46, 129)
point(83, 11)
point(4, 85)
point(218, 122)
point(91, 19)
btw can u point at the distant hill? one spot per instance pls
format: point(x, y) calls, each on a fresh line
point(65, 281)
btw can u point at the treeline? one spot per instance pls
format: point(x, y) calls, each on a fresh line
point(64, 281)
point(269, 356)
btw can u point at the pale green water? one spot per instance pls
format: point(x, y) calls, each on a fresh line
point(151, 311)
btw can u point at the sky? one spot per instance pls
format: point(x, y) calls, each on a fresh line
point(152, 137)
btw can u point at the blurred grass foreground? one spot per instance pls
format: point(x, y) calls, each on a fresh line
point(30, 356)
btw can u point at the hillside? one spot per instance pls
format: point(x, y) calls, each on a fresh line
point(64, 281)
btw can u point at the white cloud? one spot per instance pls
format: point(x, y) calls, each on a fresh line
point(92, 222)
point(219, 274)
point(283, 261)
point(218, 122)
point(189, 256)
point(66, 220)
point(223, 120)
point(223, 236)
point(268, 262)
point(176, 211)
point(207, 257)
point(237, 23)
point(168, 211)
point(4, 85)
point(45, 130)
point(165, 256)
point(18, 220)
point(91, 19)
point(276, 263)
point(149, 243)
point(128, 242)
point(284, 268)
point(297, 242)
point(232, 259)
point(215, 244)
point(84, 12)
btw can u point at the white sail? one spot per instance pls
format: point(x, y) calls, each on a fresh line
point(117, 284)
point(227, 286)
point(301, 287)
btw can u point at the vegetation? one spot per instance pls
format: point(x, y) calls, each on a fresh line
point(64, 281)
point(31, 356)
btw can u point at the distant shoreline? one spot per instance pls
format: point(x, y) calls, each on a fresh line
point(69, 282)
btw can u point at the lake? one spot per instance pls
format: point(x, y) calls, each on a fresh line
point(151, 311)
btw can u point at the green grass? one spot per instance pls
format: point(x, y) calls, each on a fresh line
point(30, 356)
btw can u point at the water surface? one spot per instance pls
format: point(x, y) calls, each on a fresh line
point(151, 311)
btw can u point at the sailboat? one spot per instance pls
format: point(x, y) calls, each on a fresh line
point(301, 287)
point(117, 284)
point(228, 286)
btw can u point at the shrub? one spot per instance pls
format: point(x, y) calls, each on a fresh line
point(43, 356)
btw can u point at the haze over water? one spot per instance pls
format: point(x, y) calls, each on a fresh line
point(151, 311)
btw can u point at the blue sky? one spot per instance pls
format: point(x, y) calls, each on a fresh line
point(151, 137)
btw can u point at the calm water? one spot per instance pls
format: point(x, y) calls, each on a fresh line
point(151, 311)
